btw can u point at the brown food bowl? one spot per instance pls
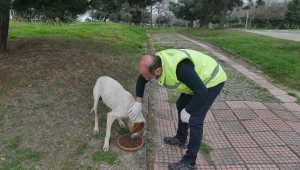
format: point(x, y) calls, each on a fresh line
point(126, 143)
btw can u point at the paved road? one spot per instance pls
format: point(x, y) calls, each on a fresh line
point(280, 34)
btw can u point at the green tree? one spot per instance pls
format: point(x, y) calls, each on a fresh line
point(233, 21)
point(162, 20)
point(258, 22)
point(228, 5)
point(116, 5)
point(136, 15)
point(210, 11)
point(185, 9)
point(178, 24)
point(292, 15)
point(113, 8)
point(141, 5)
point(65, 10)
point(103, 10)
point(127, 17)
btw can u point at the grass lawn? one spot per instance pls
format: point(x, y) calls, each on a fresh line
point(46, 80)
point(278, 58)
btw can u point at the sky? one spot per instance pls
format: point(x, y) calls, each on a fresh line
point(83, 17)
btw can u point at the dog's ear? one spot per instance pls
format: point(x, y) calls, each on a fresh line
point(137, 127)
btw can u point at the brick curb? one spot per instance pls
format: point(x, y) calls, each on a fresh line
point(142, 154)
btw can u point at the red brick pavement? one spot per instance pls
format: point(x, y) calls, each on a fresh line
point(245, 135)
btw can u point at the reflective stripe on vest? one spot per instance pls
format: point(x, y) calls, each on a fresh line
point(215, 72)
point(172, 86)
point(185, 52)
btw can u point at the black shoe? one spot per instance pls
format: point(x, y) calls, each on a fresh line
point(181, 166)
point(175, 141)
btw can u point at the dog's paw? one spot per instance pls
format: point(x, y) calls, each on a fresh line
point(95, 131)
point(105, 148)
point(134, 135)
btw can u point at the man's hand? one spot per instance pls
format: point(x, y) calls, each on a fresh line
point(135, 110)
point(184, 116)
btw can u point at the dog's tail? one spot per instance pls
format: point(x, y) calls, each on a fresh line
point(97, 97)
point(92, 110)
point(96, 100)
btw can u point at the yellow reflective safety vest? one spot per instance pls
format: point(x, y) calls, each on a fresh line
point(210, 72)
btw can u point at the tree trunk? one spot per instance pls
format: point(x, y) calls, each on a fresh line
point(151, 16)
point(142, 12)
point(192, 23)
point(158, 24)
point(250, 21)
point(206, 24)
point(224, 12)
point(118, 11)
point(202, 22)
point(4, 23)
point(92, 14)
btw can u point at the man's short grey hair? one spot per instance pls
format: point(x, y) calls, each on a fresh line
point(156, 63)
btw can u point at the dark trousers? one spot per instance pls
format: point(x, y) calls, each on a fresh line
point(196, 122)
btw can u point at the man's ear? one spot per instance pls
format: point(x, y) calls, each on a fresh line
point(158, 71)
point(137, 127)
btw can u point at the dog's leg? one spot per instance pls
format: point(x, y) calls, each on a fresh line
point(96, 128)
point(110, 120)
point(121, 123)
point(95, 108)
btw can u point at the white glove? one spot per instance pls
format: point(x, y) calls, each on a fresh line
point(184, 116)
point(135, 110)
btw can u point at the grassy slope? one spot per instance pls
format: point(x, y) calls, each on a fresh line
point(278, 58)
point(87, 41)
point(46, 81)
point(125, 37)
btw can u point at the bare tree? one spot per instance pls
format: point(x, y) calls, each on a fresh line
point(272, 10)
point(162, 9)
point(151, 14)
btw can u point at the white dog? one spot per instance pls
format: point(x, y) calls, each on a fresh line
point(119, 101)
